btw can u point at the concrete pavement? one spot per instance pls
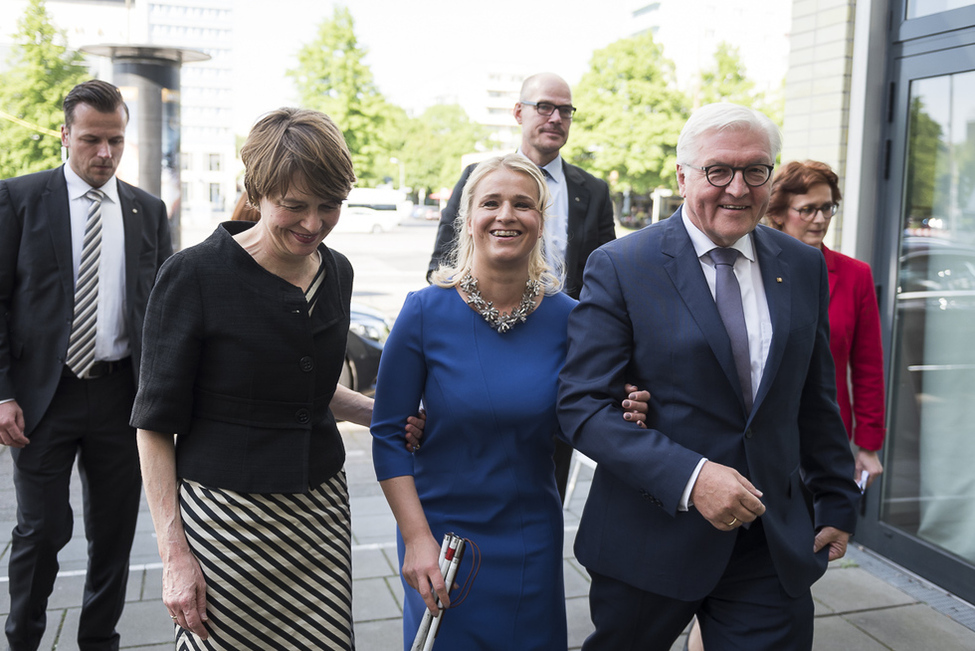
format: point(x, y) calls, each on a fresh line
point(864, 603)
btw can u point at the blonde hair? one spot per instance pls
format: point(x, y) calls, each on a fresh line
point(297, 146)
point(459, 263)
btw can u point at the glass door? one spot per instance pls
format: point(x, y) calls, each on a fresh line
point(927, 492)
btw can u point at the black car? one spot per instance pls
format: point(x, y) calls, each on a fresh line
point(368, 330)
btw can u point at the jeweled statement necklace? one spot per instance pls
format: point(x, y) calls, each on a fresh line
point(500, 322)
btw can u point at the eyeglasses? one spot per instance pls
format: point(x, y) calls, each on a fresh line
point(809, 212)
point(721, 175)
point(546, 109)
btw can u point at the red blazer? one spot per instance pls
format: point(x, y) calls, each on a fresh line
point(854, 340)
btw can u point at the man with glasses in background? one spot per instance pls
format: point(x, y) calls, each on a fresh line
point(730, 504)
point(580, 219)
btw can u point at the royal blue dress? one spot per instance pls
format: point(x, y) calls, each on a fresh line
point(484, 470)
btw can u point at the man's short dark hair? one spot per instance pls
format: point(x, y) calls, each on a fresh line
point(100, 95)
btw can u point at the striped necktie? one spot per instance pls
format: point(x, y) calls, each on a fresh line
point(81, 344)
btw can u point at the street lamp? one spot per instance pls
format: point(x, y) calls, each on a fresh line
point(402, 171)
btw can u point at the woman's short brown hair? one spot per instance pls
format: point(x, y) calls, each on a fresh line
point(299, 146)
point(797, 178)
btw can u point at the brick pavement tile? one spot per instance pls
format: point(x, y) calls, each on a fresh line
point(851, 589)
point(145, 623)
point(577, 614)
point(834, 632)
point(380, 635)
point(576, 579)
point(372, 599)
point(370, 563)
point(914, 627)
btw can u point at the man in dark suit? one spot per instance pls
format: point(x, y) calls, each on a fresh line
point(730, 503)
point(581, 216)
point(70, 343)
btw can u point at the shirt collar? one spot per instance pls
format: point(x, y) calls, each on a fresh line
point(78, 187)
point(703, 244)
point(554, 168)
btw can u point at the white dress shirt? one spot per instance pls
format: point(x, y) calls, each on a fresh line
point(556, 235)
point(111, 337)
point(758, 321)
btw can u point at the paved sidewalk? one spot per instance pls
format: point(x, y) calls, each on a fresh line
point(864, 603)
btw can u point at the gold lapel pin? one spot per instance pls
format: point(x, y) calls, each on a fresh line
point(778, 279)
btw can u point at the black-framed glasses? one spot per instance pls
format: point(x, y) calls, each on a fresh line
point(545, 109)
point(721, 175)
point(808, 213)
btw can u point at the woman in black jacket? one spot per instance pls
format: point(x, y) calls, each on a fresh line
point(244, 342)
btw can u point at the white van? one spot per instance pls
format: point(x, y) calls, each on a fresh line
point(373, 210)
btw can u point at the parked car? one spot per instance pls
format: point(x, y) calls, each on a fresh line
point(360, 219)
point(368, 330)
point(426, 212)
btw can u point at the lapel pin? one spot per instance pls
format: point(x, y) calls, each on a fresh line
point(778, 279)
point(577, 198)
point(135, 210)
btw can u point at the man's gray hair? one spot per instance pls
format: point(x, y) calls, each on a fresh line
point(724, 116)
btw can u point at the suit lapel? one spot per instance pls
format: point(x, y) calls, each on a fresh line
point(57, 212)
point(685, 272)
point(131, 226)
point(578, 195)
point(777, 279)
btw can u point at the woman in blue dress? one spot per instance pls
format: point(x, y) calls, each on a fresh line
point(482, 348)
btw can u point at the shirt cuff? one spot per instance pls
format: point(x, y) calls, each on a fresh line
point(685, 498)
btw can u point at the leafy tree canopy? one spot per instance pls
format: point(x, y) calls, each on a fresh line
point(333, 77)
point(42, 71)
point(630, 115)
point(434, 143)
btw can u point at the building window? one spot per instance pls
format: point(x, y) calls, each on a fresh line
point(184, 160)
point(214, 165)
point(215, 199)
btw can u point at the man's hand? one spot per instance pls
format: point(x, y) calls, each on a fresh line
point(725, 498)
point(12, 425)
point(414, 430)
point(835, 539)
point(636, 405)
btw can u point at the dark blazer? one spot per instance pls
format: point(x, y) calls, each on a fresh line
point(854, 339)
point(37, 285)
point(238, 370)
point(647, 316)
point(591, 223)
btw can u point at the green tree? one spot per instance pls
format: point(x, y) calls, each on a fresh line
point(629, 117)
point(42, 71)
point(434, 143)
point(333, 77)
point(726, 81)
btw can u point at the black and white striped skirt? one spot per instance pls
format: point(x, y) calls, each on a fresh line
point(278, 567)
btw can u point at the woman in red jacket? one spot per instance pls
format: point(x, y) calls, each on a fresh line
point(804, 199)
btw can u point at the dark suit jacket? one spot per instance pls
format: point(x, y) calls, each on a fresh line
point(647, 316)
point(591, 223)
point(37, 285)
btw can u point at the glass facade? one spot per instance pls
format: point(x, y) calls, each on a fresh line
point(930, 482)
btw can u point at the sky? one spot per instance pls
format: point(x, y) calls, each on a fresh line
point(419, 49)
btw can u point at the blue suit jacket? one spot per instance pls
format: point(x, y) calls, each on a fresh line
point(647, 316)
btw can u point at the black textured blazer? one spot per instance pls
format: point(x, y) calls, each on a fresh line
point(234, 366)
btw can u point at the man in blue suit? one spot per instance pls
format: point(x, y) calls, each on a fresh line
point(730, 504)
